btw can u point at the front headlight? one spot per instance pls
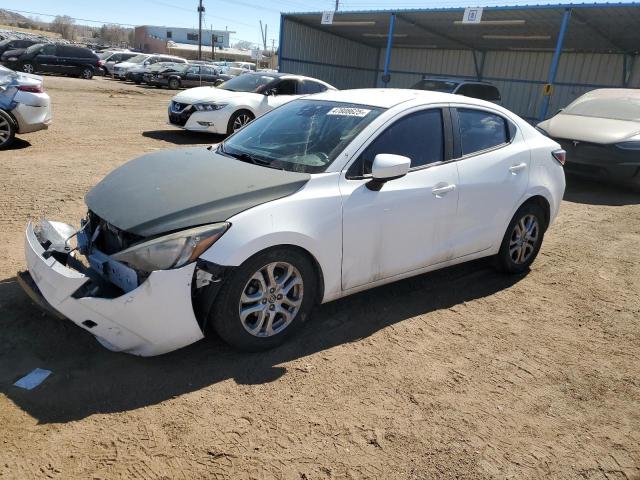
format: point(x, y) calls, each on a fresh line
point(13, 59)
point(172, 251)
point(209, 107)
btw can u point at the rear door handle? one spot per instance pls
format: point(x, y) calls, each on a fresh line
point(438, 191)
point(516, 168)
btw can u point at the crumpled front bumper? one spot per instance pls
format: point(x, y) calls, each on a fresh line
point(154, 318)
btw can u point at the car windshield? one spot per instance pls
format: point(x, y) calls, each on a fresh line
point(614, 108)
point(34, 47)
point(247, 83)
point(137, 59)
point(105, 55)
point(436, 86)
point(301, 136)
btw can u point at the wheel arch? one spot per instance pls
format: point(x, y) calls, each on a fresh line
point(543, 203)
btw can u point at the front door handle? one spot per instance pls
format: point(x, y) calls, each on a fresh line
point(439, 191)
point(516, 168)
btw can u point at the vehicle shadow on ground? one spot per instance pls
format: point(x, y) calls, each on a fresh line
point(87, 379)
point(183, 137)
point(18, 144)
point(592, 192)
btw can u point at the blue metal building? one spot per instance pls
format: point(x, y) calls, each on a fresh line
point(522, 49)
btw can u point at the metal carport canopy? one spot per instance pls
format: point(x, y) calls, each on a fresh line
point(603, 27)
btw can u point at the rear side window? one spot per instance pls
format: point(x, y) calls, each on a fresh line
point(308, 87)
point(481, 130)
point(286, 87)
point(419, 136)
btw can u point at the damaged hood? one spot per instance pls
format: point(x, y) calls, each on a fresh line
point(176, 189)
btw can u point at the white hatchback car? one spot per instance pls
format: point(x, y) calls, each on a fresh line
point(323, 197)
point(236, 102)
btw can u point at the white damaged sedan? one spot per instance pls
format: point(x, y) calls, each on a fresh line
point(321, 198)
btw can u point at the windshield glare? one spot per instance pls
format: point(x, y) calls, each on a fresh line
point(435, 86)
point(34, 47)
point(301, 136)
point(137, 59)
point(7, 76)
point(247, 83)
point(614, 108)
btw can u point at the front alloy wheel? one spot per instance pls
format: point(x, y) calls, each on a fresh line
point(28, 68)
point(266, 299)
point(7, 130)
point(239, 120)
point(271, 299)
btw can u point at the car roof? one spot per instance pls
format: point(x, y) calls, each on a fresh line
point(456, 80)
point(389, 97)
point(613, 93)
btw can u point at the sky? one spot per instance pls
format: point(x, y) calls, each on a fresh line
point(240, 16)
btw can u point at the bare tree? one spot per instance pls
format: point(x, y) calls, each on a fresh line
point(64, 25)
point(243, 45)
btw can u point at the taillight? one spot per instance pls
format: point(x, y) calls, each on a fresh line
point(30, 88)
point(560, 156)
point(101, 63)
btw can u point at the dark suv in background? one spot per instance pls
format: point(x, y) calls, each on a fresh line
point(55, 58)
point(469, 88)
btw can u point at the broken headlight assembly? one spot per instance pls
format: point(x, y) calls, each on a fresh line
point(172, 251)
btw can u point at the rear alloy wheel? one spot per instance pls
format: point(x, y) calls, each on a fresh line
point(7, 130)
point(174, 83)
point(239, 120)
point(87, 73)
point(28, 68)
point(265, 300)
point(523, 239)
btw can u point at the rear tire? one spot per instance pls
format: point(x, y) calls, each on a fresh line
point(174, 83)
point(7, 130)
point(87, 73)
point(522, 240)
point(265, 300)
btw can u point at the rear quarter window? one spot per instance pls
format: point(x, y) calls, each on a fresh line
point(482, 130)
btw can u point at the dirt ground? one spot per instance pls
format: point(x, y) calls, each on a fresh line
point(462, 373)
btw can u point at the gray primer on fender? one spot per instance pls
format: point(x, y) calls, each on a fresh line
point(176, 189)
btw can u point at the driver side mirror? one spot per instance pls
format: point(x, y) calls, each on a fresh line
point(386, 167)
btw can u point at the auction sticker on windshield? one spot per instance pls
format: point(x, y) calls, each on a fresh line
point(349, 112)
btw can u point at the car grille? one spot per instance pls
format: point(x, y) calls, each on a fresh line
point(179, 113)
point(110, 239)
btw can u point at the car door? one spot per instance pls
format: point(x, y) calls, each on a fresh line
point(284, 91)
point(208, 75)
point(493, 163)
point(405, 225)
point(191, 78)
point(46, 60)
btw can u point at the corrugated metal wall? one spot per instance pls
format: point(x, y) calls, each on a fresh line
point(336, 60)
point(520, 75)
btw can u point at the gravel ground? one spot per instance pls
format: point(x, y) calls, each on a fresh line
point(462, 373)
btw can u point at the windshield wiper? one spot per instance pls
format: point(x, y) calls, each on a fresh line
point(247, 157)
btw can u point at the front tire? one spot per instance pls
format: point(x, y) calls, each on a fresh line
point(7, 130)
point(238, 120)
point(174, 83)
point(522, 240)
point(28, 67)
point(265, 300)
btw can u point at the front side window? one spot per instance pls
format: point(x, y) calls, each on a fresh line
point(481, 130)
point(286, 87)
point(48, 50)
point(418, 136)
point(194, 70)
point(300, 136)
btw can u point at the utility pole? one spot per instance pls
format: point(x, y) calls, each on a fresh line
point(200, 11)
point(337, 4)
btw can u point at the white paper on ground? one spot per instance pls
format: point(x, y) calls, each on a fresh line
point(33, 379)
